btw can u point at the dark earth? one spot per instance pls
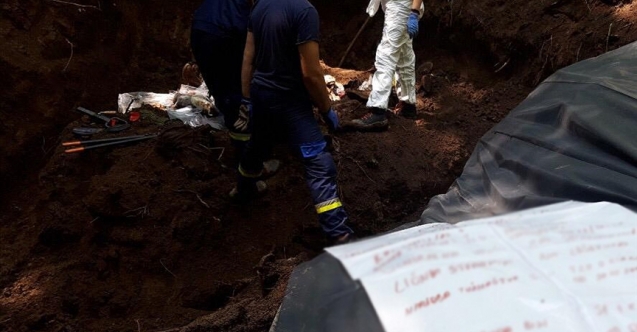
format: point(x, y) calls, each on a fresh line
point(144, 238)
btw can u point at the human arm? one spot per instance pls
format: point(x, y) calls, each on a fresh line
point(313, 78)
point(247, 68)
point(415, 5)
point(314, 82)
point(412, 21)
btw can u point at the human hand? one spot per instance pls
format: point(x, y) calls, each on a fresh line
point(331, 119)
point(246, 103)
point(412, 25)
point(245, 112)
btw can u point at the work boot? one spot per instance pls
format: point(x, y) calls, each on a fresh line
point(405, 109)
point(374, 120)
point(241, 197)
point(270, 167)
point(408, 111)
point(343, 239)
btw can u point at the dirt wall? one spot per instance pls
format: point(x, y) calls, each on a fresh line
point(59, 55)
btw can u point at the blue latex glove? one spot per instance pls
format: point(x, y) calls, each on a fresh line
point(331, 119)
point(412, 25)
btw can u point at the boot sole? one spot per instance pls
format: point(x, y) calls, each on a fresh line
point(260, 191)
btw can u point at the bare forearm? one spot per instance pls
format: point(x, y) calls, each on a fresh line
point(415, 4)
point(313, 75)
point(247, 69)
point(315, 85)
point(246, 77)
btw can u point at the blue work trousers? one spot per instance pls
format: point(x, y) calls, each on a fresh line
point(283, 116)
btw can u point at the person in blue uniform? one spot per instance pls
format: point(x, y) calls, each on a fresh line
point(281, 81)
point(218, 37)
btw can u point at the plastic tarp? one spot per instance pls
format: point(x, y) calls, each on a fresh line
point(573, 138)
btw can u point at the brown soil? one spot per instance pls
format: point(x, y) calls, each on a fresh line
point(143, 238)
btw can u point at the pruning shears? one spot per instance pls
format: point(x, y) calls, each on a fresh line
point(112, 125)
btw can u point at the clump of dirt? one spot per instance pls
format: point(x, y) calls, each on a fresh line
point(144, 238)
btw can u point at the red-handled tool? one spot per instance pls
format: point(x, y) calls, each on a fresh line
point(93, 144)
point(113, 124)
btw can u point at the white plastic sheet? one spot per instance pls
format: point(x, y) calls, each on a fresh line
point(565, 267)
point(188, 114)
point(193, 118)
point(132, 100)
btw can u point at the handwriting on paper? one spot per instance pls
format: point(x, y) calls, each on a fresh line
point(475, 287)
point(456, 268)
point(589, 248)
point(515, 266)
point(385, 265)
point(536, 325)
point(415, 279)
point(614, 309)
point(630, 328)
point(426, 302)
point(500, 329)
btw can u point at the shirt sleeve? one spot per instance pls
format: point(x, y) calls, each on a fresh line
point(308, 26)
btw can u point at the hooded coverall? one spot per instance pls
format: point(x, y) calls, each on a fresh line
point(395, 53)
point(218, 36)
point(282, 108)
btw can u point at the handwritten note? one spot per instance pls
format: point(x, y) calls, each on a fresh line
point(565, 267)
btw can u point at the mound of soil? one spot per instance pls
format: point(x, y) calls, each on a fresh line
point(143, 237)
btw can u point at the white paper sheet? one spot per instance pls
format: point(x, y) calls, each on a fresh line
point(565, 267)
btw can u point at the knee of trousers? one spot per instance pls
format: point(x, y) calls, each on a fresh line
point(321, 179)
point(320, 165)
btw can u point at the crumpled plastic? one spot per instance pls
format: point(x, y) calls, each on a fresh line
point(172, 103)
point(367, 85)
point(132, 100)
point(193, 118)
point(335, 89)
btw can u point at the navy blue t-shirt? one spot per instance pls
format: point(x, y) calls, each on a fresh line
point(279, 26)
point(222, 18)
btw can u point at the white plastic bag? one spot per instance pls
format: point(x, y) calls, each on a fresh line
point(192, 117)
point(367, 85)
point(202, 90)
point(133, 100)
point(187, 116)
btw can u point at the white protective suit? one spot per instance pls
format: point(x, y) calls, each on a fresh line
point(394, 54)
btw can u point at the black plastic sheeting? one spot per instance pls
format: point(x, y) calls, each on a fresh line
point(573, 138)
